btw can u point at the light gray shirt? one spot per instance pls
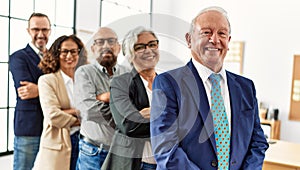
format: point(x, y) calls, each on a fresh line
point(91, 80)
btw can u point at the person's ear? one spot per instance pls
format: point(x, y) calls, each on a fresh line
point(188, 39)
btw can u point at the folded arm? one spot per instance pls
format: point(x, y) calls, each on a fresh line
point(129, 120)
point(51, 106)
point(24, 80)
point(28, 90)
point(93, 107)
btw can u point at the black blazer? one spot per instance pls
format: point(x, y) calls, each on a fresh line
point(28, 117)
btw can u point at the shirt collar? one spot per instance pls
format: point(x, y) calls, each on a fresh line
point(66, 78)
point(204, 72)
point(104, 70)
point(145, 82)
point(35, 49)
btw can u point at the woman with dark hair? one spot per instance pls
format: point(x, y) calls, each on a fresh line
point(59, 140)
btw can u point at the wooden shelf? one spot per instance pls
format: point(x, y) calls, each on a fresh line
point(275, 127)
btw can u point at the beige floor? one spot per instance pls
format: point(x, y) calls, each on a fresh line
point(6, 162)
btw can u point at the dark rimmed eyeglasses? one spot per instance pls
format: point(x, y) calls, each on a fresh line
point(65, 52)
point(140, 48)
point(101, 41)
point(37, 30)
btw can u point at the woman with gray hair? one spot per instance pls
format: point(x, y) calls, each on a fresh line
point(131, 94)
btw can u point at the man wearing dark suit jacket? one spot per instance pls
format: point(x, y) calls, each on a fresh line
point(182, 128)
point(28, 117)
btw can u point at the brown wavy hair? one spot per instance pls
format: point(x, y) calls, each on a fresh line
point(50, 62)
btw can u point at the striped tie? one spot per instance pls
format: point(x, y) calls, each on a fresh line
point(221, 126)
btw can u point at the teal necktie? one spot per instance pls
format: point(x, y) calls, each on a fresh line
point(221, 125)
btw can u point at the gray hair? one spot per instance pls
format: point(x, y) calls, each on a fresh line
point(211, 8)
point(130, 39)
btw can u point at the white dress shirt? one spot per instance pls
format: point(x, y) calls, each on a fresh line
point(69, 86)
point(35, 49)
point(204, 74)
point(147, 153)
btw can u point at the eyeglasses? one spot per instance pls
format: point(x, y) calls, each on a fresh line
point(37, 30)
point(140, 48)
point(65, 52)
point(101, 42)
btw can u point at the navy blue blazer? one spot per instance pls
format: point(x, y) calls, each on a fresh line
point(28, 117)
point(181, 125)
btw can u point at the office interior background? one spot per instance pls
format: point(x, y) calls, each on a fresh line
point(269, 29)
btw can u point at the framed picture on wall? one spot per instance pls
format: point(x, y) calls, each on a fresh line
point(234, 58)
point(295, 91)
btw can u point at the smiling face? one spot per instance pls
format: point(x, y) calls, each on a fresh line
point(69, 55)
point(106, 47)
point(209, 39)
point(39, 30)
point(148, 58)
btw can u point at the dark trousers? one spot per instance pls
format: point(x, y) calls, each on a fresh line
point(147, 166)
point(75, 150)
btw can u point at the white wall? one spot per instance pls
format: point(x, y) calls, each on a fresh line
point(87, 18)
point(271, 31)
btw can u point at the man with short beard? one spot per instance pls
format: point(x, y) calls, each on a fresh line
point(92, 95)
point(28, 116)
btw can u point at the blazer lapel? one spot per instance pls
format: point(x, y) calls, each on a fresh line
point(62, 91)
point(235, 104)
point(200, 99)
point(34, 59)
point(138, 90)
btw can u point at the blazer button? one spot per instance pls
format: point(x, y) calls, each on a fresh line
point(214, 163)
